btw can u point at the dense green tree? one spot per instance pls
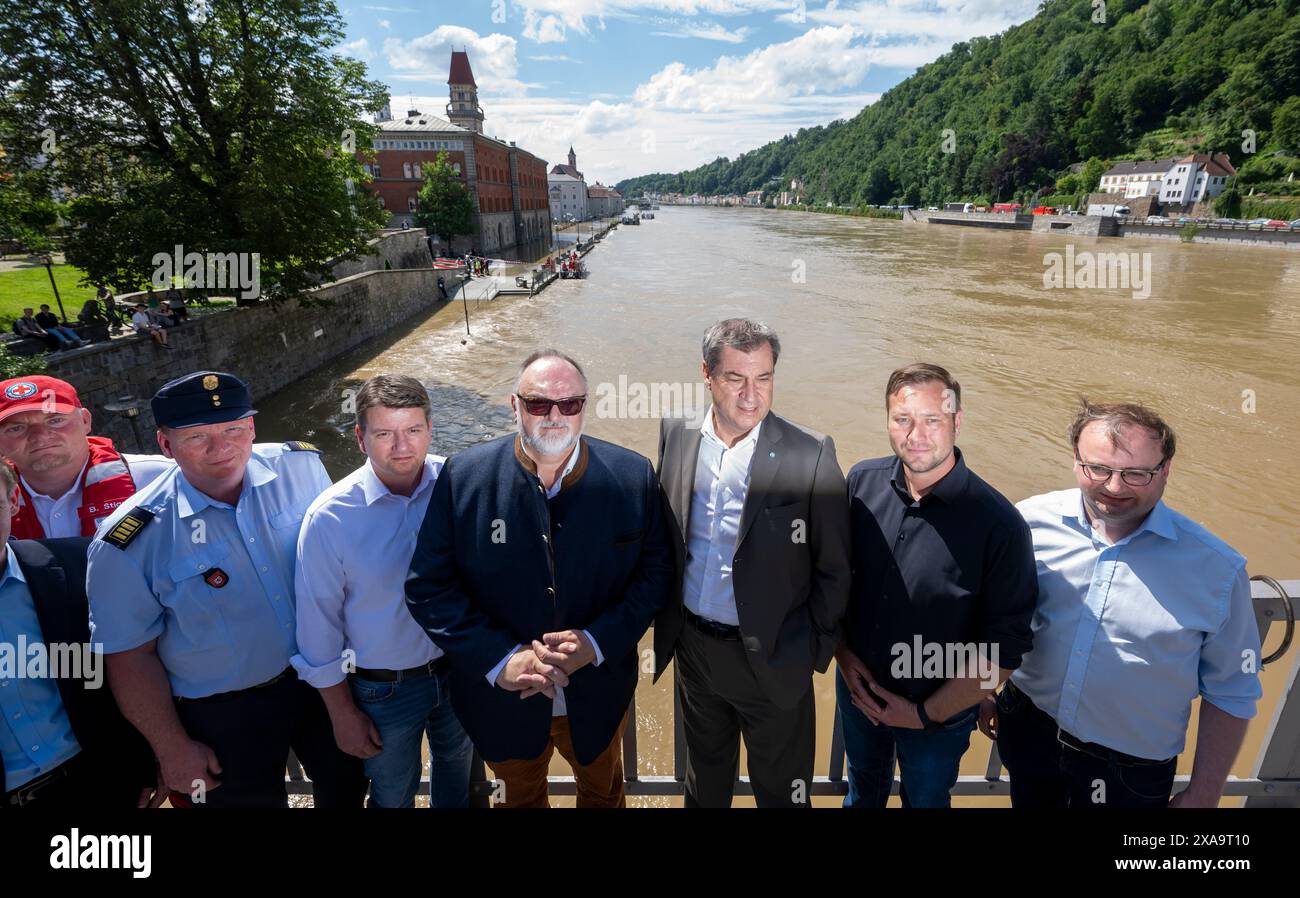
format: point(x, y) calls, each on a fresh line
point(1228, 203)
point(444, 206)
point(1286, 126)
point(224, 126)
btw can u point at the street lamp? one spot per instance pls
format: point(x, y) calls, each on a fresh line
point(464, 297)
point(129, 407)
point(48, 261)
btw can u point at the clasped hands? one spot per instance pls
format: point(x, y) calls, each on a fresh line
point(891, 709)
point(547, 664)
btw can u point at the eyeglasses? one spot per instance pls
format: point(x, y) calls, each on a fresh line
point(1130, 476)
point(540, 406)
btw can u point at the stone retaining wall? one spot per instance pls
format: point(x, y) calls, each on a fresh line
point(269, 346)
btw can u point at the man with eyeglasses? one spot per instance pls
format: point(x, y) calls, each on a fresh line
point(541, 561)
point(1140, 611)
point(68, 480)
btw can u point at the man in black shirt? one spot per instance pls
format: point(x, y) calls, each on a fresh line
point(944, 587)
point(65, 335)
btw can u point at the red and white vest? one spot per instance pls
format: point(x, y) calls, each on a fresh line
point(105, 484)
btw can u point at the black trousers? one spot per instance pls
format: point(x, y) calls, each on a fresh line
point(721, 700)
point(251, 733)
point(1046, 773)
point(83, 781)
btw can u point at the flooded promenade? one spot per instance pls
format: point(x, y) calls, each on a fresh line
point(1215, 347)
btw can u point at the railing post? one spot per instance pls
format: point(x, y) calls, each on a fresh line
point(629, 744)
point(1279, 755)
point(679, 736)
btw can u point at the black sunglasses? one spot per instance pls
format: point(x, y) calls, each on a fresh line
point(540, 406)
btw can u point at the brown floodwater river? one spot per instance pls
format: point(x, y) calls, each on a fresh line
point(1215, 347)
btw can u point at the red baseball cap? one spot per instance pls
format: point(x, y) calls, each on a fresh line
point(37, 393)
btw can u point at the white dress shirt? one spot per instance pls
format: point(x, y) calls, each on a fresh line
point(558, 709)
point(721, 483)
point(354, 550)
point(59, 517)
point(1127, 635)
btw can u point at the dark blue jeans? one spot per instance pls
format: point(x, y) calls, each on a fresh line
point(927, 762)
point(404, 713)
point(1045, 773)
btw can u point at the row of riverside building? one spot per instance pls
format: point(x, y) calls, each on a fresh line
point(573, 200)
point(508, 184)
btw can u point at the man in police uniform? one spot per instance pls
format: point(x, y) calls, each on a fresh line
point(68, 480)
point(191, 594)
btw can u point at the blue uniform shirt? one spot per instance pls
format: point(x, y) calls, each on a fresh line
point(36, 735)
point(211, 582)
point(1126, 636)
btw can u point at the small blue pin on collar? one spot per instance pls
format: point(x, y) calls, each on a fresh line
point(771, 455)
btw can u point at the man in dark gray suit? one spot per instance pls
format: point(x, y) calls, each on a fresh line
point(762, 544)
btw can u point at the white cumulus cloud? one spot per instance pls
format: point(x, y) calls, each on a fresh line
point(544, 29)
point(820, 60)
point(493, 57)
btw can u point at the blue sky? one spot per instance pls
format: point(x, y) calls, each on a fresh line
point(638, 86)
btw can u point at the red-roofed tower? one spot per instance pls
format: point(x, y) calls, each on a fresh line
point(463, 108)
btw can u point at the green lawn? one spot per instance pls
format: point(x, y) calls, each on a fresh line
point(25, 287)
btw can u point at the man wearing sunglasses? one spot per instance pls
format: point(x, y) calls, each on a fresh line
point(1140, 611)
point(541, 561)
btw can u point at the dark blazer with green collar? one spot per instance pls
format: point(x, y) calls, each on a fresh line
point(791, 570)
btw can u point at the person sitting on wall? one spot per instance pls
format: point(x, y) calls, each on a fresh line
point(26, 326)
point(92, 316)
point(176, 305)
point(48, 320)
point(161, 315)
point(144, 325)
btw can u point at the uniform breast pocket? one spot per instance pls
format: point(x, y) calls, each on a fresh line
point(285, 526)
point(198, 580)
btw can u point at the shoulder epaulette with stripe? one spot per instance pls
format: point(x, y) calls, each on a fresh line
point(128, 528)
point(300, 446)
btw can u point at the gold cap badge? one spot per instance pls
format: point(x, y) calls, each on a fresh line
point(210, 382)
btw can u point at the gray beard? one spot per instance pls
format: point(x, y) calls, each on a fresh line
point(549, 448)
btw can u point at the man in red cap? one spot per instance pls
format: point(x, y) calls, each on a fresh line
point(68, 480)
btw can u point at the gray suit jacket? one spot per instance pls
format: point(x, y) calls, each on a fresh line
point(791, 570)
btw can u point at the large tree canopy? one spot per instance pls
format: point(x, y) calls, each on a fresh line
point(224, 126)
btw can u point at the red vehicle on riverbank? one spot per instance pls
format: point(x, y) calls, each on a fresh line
point(1007, 207)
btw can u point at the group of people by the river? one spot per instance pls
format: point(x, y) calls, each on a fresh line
point(243, 605)
point(103, 316)
point(477, 266)
point(567, 264)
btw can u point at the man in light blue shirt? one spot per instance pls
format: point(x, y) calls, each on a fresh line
point(35, 736)
point(384, 682)
point(1140, 611)
point(63, 743)
point(191, 594)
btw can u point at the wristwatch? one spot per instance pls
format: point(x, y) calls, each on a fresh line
point(926, 723)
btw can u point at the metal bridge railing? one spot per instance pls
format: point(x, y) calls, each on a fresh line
point(1274, 781)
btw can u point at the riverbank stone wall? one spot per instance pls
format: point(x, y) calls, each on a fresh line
point(268, 346)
